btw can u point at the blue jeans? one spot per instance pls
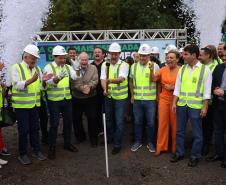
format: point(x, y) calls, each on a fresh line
point(55, 108)
point(185, 113)
point(115, 110)
point(28, 125)
point(145, 108)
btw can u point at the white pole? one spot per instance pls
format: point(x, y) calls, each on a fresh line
point(106, 145)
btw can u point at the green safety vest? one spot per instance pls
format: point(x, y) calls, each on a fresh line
point(218, 60)
point(117, 91)
point(62, 90)
point(143, 87)
point(212, 65)
point(192, 87)
point(30, 97)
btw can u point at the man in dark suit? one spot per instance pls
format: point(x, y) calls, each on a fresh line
point(219, 105)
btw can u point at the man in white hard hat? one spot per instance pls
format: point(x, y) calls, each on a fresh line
point(115, 87)
point(59, 99)
point(26, 89)
point(154, 55)
point(143, 96)
point(155, 52)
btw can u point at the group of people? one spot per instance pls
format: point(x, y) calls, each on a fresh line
point(158, 98)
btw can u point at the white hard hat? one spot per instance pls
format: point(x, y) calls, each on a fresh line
point(32, 49)
point(181, 50)
point(144, 49)
point(114, 47)
point(170, 47)
point(154, 50)
point(59, 50)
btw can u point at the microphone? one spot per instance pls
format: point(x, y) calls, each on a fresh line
point(107, 59)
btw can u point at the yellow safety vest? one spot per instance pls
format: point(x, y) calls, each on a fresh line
point(143, 87)
point(30, 97)
point(192, 87)
point(62, 89)
point(212, 65)
point(117, 91)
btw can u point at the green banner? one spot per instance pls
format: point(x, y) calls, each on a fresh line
point(47, 49)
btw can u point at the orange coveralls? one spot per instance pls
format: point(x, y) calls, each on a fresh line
point(166, 118)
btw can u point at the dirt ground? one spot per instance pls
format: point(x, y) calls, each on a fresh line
point(87, 167)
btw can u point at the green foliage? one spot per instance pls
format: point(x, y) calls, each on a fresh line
point(113, 14)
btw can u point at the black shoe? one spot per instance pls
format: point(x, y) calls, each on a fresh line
point(52, 153)
point(223, 164)
point(24, 160)
point(115, 150)
point(71, 148)
point(193, 162)
point(214, 158)
point(176, 158)
point(39, 156)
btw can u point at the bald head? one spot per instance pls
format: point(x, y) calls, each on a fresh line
point(83, 60)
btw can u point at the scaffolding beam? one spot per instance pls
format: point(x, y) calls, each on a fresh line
point(180, 35)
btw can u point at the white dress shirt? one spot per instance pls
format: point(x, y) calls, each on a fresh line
point(15, 76)
point(48, 70)
point(123, 71)
point(207, 82)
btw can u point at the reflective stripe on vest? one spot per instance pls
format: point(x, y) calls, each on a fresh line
point(191, 92)
point(144, 88)
point(212, 65)
point(117, 91)
point(62, 90)
point(30, 97)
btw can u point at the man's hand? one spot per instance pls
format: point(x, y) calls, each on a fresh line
point(174, 108)
point(105, 93)
point(46, 77)
point(108, 81)
point(151, 66)
point(169, 87)
point(218, 91)
point(34, 77)
point(86, 89)
point(203, 112)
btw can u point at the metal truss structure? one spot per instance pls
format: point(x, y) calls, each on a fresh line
point(180, 35)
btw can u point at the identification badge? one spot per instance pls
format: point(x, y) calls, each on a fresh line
point(194, 79)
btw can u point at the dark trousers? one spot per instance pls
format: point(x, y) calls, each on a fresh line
point(207, 125)
point(185, 113)
point(28, 125)
point(87, 106)
point(99, 109)
point(55, 108)
point(219, 128)
point(43, 117)
point(115, 110)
